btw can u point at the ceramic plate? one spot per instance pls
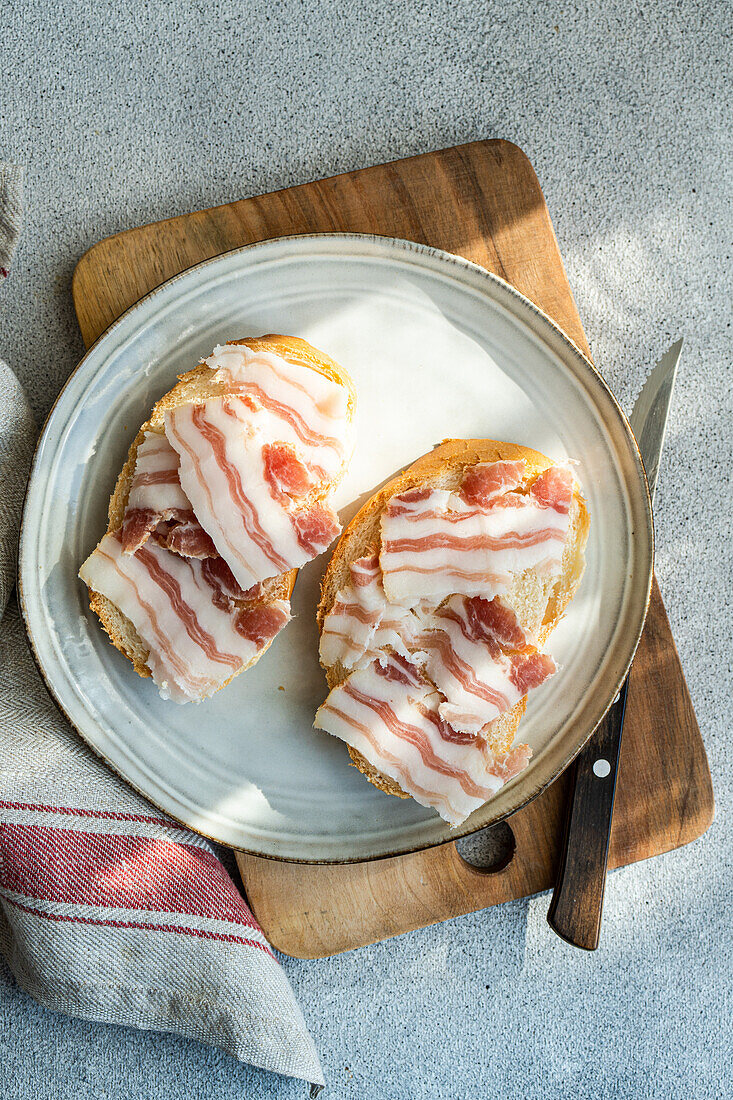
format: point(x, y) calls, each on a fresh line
point(437, 347)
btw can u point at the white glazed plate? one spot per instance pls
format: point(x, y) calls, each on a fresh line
point(437, 348)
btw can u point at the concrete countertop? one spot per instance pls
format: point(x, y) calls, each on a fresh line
point(128, 113)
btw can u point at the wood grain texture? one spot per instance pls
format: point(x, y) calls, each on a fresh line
point(482, 201)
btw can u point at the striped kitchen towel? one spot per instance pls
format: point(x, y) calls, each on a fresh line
point(109, 910)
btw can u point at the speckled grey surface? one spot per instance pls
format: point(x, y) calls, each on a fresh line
point(127, 113)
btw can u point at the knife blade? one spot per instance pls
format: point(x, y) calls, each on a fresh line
point(649, 417)
point(576, 907)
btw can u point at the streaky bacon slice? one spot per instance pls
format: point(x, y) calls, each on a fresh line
point(361, 621)
point(436, 544)
point(399, 670)
point(412, 500)
point(554, 489)
point(350, 624)
point(529, 670)
point(195, 644)
point(466, 662)
point(260, 622)
point(443, 730)
point(155, 495)
point(308, 408)
point(461, 646)
point(487, 480)
point(365, 571)
point(254, 617)
point(396, 725)
point(137, 526)
point(184, 535)
point(492, 620)
point(220, 444)
point(315, 527)
point(223, 584)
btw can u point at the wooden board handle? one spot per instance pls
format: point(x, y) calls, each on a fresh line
point(577, 902)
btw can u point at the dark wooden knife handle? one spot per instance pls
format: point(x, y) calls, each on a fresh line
point(577, 902)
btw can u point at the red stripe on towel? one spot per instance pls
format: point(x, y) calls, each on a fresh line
point(125, 872)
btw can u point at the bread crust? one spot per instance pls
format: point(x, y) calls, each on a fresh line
point(194, 386)
point(443, 468)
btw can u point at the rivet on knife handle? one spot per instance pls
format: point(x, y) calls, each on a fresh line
point(577, 902)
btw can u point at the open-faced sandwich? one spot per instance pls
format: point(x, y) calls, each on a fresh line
point(225, 493)
point(435, 606)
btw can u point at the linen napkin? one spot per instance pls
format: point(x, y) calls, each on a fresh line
point(110, 910)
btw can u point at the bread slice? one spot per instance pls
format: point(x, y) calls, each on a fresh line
point(195, 386)
point(538, 602)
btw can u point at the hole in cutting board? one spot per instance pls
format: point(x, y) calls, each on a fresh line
point(489, 850)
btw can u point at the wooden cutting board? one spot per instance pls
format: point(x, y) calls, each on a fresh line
point(482, 201)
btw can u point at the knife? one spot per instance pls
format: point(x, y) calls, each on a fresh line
point(577, 901)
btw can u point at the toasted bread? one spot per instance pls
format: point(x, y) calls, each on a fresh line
point(538, 602)
point(197, 385)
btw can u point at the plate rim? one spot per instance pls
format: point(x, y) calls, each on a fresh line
point(407, 247)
